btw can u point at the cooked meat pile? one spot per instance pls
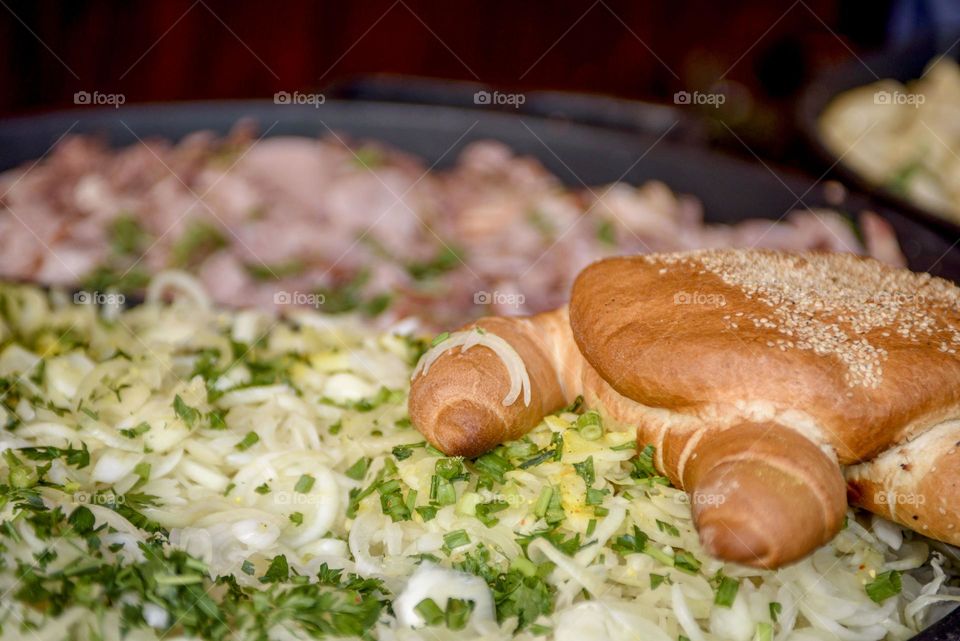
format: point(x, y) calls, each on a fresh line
point(354, 226)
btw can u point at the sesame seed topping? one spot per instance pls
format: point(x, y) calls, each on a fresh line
point(836, 305)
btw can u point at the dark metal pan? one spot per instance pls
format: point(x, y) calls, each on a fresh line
point(902, 63)
point(673, 123)
point(730, 189)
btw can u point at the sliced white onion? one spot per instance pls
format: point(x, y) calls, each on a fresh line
point(440, 584)
point(178, 282)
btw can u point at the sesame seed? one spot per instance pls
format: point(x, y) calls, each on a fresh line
point(838, 306)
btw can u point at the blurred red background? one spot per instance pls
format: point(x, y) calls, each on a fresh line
point(765, 52)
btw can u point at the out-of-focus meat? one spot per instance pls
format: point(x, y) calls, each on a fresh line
point(292, 170)
point(357, 226)
point(824, 229)
point(224, 274)
point(65, 263)
point(880, 239)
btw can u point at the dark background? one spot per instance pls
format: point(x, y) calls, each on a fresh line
point(760, 53)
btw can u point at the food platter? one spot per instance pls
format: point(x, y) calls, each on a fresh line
point(730, 190)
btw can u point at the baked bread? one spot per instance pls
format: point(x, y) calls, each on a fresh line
point(458, 401)
point(755, 374)
point(855, 354)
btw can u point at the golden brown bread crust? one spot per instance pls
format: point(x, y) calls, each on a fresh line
point(916, 484)
point(763, 495)
point(751, 373)
point(458, 406)
point(859, 354)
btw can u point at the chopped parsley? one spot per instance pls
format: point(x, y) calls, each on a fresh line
point(667, 528)
point(586, 471)
point(134, 432)
point(403, 452)
point(189, 415)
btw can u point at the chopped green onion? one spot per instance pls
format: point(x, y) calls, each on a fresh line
point(442, 491)
point(726, 592)
point(427, 512)
point(884, 586)
point(537, 459)
point(248, 441)
point(392, 502)
point(543, 502)
point(591, 526)
point(524, 566)
point(455, 539)
point(659, 555)
point(450, 468)
point(775, 610)
point(304, 484)
point(493, 465)
point(458, 613)
point(217, 420)
point(764, 632)
point(590, 426)
point(484, 510)
point(359, 469)
point(430, 611)
point(595, 497)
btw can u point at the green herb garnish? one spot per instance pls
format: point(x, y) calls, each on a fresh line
point(251, 439)
point(187, 414)
point(884, 586)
